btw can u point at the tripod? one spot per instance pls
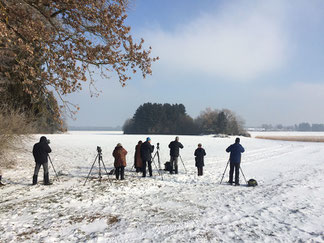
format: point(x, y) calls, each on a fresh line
point(100, 160)
point(183, 163)
point(53, 168)
point(159, 161)
point(158, 155)
point(225, 172)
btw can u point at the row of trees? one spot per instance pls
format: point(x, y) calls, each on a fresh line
point(172, 119)
point(304, 126)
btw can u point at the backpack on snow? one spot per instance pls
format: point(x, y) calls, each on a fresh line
point(252, 182)
point(167, 166)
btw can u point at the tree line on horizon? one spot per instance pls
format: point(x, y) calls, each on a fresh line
point(302, 127)
point(155, 118)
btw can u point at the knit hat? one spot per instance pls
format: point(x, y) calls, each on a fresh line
point(119, 145)
point(148, 139)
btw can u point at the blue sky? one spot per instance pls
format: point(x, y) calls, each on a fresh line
point(262, 59)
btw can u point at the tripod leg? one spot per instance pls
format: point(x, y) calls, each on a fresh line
point(106, 171)
point(243, 175)
point(100, 168)
point(53, 168)
point(91, 170)
point(183, 163)
point(154, 155)
point(159, 161)
point(158, 169)
point(224, 172)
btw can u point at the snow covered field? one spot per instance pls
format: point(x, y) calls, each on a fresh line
point(287, 206)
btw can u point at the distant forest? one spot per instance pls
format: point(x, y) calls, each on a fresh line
point(154, 118)
point(304, 127)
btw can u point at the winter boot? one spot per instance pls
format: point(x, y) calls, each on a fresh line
point(35, 179)
point(200, 171)
point(46, 180)
point(150, 170)
point(1, 184)
point(176, 169)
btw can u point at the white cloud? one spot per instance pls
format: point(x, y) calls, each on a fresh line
point(240, 42)
point(294, 103)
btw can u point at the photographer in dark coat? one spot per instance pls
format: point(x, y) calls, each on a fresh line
point(1, 184)
point(174, 154)
point(235, 160)
point(146, 155)
point(40, 152)
point(119, 154)
point(200, 154)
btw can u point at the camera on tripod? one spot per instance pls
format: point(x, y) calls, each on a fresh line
point(158, 145)
point(99, 149)
point(100, 163)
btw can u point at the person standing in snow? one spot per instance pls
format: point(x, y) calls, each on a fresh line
point(1, 184)
point(200, 154)
point(119, 154)
point(146, 155)
point(235, 160)
point(174, 154)
point(40, 152)
point(138, 164)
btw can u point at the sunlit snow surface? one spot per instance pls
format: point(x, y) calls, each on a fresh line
point(287, 206)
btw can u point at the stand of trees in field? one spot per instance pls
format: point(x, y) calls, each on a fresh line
point(303, 127)
point(172, 119)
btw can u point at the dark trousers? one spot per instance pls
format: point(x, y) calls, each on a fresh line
point(174, 164)
point(200, 171)
point(149, 165)
point(120, 171)
point(36, 171)
point(234, 167)
point(37, 167)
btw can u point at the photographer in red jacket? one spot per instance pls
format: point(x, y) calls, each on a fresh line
point(119, 154)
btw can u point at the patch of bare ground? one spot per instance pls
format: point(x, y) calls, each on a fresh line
point(314, 139)
point(111, 219)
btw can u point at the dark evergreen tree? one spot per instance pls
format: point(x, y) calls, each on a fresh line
point(160, 119)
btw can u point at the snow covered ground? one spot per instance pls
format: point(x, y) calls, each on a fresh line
point(287, 206)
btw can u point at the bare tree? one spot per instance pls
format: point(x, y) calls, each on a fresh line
point(58, 43)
